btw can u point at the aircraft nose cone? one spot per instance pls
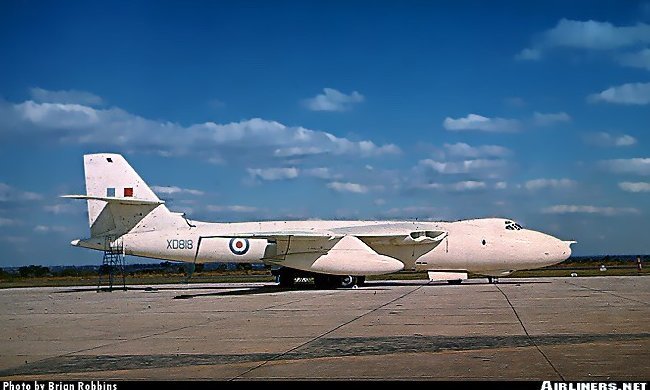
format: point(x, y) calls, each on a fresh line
point(557, 250)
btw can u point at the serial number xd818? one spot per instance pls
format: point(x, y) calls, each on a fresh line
point(180, 244)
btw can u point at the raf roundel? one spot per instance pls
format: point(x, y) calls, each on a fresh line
point(239, 246)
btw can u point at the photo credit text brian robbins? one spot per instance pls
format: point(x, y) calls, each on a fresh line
point(53, 385)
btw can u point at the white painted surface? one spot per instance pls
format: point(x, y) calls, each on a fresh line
point(483, 246)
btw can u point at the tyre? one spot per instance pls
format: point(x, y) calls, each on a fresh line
point(347, 281)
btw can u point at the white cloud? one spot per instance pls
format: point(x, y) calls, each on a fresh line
point(333, 100)
point(462, 166)
point(607, 140)
point(320, 173)
point(347, 187)
point(529, 54)
point(639, 166)
point(634, 186)
point(461, 186)
point(12, 194)
point(502, 185)
point(537, 184)
point(48, 229)
point(233, 208)
point(583, 209)
point(172, 190)
point(65, 208)
point(462, 149)
point(481, 123)
point(631, 93)
point(114, 128)
point(589, 35)
point(66, 97)
point(8, 222)
point(273, 173)
point(14, 239)
point(469, 185)
point(548, 119)
point(640, 59)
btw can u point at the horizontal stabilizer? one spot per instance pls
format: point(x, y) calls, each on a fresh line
point(114, 199)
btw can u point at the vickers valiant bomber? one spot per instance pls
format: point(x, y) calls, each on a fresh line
point(122, 208)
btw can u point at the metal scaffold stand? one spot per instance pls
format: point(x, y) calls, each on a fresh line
point(113, 264)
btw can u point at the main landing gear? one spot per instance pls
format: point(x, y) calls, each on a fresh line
point(493, 279)
point(286, 278)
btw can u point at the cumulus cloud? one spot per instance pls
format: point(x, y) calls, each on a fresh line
point(333, 100)
point(634, 186)
point(640, 59)
point(320, 173)
point(173, 190)
point(461, 186)
point(584, 209)
point(12, 194)
point(117, 129)
point(638, 166)
point(347, 187)
point(631, 93)
point(232, 208)
point(549, 119)
point(7, 222)
point(465, 166)
point(502, 185)
point(66, 97)
point(588, 35)
point(529, 54)
point(462, 149)
point(65, 208)
point(48, 229)
point(538, 184)
point(271, 174)
point(14, 239)
point(481, 123)
point(609, 140)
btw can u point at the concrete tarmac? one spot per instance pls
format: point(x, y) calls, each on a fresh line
point(572, 329)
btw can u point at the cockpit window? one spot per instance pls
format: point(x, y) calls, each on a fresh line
point(513, 226)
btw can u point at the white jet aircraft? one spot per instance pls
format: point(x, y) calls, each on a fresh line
point(124, 212)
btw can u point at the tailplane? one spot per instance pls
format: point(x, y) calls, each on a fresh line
point(119, 201)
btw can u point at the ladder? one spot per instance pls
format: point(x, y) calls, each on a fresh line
point(112, 263)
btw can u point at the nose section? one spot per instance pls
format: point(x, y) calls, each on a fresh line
point(557, 250)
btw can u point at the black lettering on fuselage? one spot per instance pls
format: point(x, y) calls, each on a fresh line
point(180, 244)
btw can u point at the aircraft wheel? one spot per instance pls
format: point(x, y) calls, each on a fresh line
point(347, 281)
point(456, 282)
point(361, 280)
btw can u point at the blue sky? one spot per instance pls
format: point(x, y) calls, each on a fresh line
point(288, 110)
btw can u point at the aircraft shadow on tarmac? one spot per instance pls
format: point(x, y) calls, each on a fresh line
point(267, 289)
point(145, 289)
point(372, 286)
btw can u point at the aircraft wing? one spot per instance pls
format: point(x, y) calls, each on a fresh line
point(355, 251)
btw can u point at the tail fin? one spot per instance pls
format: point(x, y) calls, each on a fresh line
point(119, 201)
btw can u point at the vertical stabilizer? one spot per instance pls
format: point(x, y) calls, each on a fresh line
point(126, 203)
